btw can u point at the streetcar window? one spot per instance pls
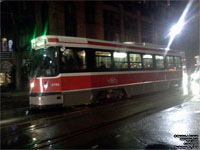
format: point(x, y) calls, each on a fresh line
point(103, 60)
point(72, 60)
point(44, 63)
point(121, 60)
point(147, 61)
point(159, 61)
point(135, 61)
point(177, 62)
point(170, 62)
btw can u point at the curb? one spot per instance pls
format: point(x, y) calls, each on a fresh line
point(14, 94)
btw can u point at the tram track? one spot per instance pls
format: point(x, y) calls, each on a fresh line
point(62, 138)
point(26, 112)
point(64, 110)
point(46, 143)
point(34, 117)
point(63, 117)
point(41, 126)
point(60, 117)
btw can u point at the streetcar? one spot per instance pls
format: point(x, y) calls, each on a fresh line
point(71, 71)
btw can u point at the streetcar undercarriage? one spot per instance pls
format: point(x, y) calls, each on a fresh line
point(96, 96)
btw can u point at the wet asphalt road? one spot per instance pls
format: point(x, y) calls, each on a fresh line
point(138, 123)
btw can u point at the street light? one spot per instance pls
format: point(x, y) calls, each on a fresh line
point(176, 29)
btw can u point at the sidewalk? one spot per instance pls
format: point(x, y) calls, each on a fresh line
point(13, 94)
point(13, 100)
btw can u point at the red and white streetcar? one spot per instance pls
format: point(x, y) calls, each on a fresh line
point(72, 71)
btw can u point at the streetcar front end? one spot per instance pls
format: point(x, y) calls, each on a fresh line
point(45, 85)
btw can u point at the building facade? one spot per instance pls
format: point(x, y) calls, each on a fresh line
point(118, 21)
point(138, 21)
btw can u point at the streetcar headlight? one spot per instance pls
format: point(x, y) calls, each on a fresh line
point(46, 85)
point(32, 84)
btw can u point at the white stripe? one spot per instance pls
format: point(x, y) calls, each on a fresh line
point(83, 43)
point(118, 85)
point(110, 48)
point(110, 73)
point(105, 73)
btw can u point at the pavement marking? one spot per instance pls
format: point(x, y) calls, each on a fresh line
point(117, 136)
point(169, 109)
point(197, 112)
point(95, 146)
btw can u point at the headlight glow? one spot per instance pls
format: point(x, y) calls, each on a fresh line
point(32, 84)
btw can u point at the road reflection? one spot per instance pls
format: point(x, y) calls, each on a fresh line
point(191, 84)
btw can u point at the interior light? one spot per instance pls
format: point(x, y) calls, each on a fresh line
point(120, 55)
point(158, 57)
point(129, 42)
point(147, 56)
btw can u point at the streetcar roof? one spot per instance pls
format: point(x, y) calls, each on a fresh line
point(78, 42)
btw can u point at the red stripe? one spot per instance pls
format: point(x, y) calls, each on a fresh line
point(96, 81)
point(111, 45)
point(124, 46)
point(52, 39)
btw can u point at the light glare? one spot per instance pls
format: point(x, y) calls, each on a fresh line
point(32, 84)
point(40, 43)
point(176, 29)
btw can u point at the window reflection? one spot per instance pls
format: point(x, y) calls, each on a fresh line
point(44, 62)
point(159, 61)
point(72, 60)
point(148, 61)
point(103, 60)
point(121, 60)
point(135, 61)
point(170, 62)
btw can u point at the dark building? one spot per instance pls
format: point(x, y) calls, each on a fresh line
point(141, 21)
point(119, 21)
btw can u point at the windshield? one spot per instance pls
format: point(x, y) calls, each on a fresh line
point(44, 62)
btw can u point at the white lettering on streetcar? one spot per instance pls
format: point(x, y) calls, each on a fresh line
point(55, 84)
point(112, 80)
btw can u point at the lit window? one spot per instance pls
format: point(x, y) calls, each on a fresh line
point(177, 62)
point(121, 60)
point(159, 61)
point(72, 60)
point(170, 62)
point(103, 60)
point(135, 61)
point(147, 61)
